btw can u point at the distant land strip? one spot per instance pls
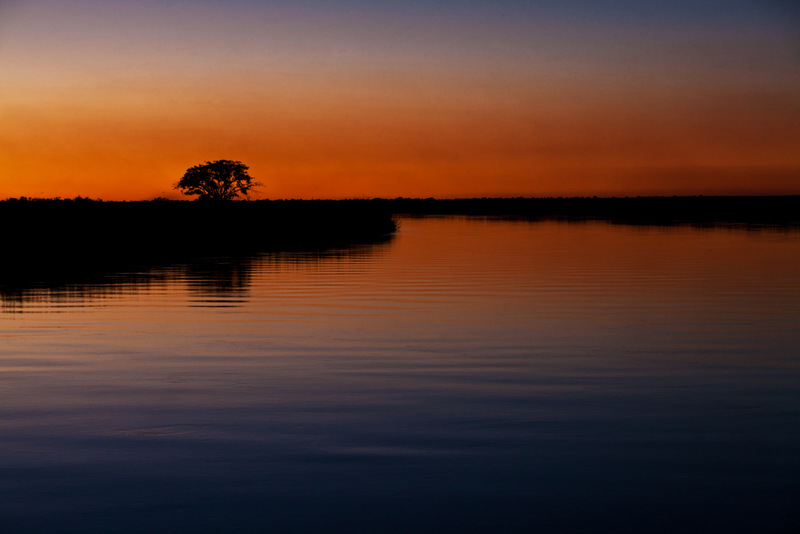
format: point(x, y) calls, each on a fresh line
point(52, 241)
point(747, 210)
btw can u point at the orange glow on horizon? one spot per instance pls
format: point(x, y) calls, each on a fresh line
point(385, 118)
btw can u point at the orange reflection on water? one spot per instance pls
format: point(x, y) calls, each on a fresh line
point(505, 356)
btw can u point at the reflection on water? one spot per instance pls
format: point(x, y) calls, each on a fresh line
point(226, 279)
point(470, 375)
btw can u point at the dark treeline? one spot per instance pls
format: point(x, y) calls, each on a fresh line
point(48, 238)
point(53, 239)
point(758, 210)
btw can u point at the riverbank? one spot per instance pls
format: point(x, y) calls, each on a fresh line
point(47, 238)
point(53, 239)
point(700, 210)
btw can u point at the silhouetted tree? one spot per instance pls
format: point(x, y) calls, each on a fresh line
point(217, 180)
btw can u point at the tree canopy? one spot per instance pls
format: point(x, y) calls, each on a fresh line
point(223, 179)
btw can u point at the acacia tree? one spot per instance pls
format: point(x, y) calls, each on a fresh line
point(217, 180)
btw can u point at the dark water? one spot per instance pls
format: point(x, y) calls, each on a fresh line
point(469, 375)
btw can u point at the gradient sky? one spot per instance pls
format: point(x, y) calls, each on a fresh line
point(328, 99)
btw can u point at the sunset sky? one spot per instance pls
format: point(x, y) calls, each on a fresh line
point(115, 99)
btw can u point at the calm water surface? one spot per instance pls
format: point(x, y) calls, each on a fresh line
point(469, 375)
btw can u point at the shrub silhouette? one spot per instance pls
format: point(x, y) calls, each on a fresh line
point(217, 180)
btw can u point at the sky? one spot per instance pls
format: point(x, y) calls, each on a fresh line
point(115, 99)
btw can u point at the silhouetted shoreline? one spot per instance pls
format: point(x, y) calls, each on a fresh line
point(49, 241)
point(703, 210)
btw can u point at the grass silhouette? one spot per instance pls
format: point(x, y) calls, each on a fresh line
point(57, 238)
point(50, 240)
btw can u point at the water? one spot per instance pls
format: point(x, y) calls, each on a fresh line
point(469, 375)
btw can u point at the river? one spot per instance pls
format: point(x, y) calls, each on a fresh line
point(468, 375)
